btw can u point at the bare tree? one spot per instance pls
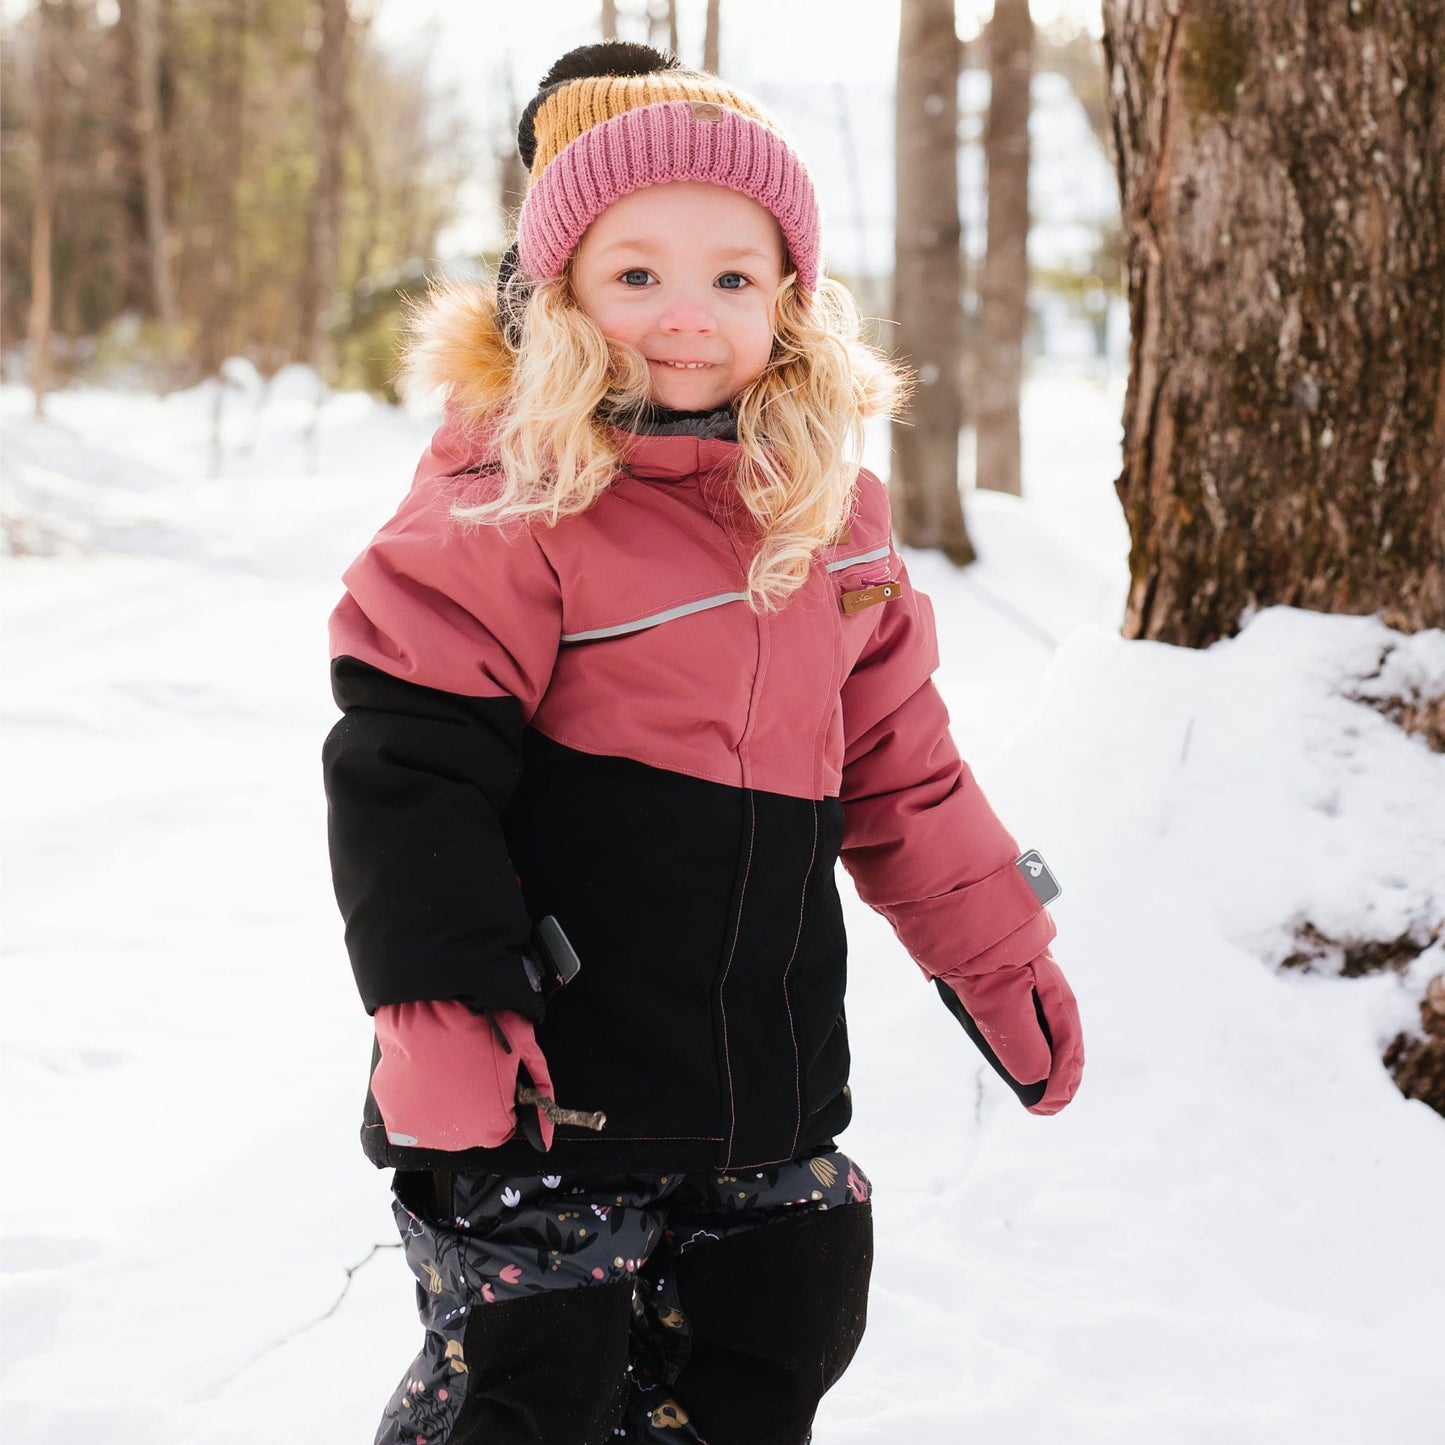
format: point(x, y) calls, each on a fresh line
point(928, 280)
point(160, 197)
point(609, 19)
point(711, 54)
point(160, 249)
point(323, 251)
point(1004, 279)
point(1282, 170)
point(217, 237)
point(47, 41)
point(227, 94)
point(662, 24)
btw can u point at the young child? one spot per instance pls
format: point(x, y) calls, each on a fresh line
point(637, 658)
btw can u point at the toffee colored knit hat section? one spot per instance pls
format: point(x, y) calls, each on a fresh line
point(565, 111)
point(612, 119)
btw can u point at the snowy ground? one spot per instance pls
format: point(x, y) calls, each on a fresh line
point(1232, 1235)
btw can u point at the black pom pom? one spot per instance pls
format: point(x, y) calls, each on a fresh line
point(610, 57)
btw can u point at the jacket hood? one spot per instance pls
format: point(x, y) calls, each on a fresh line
point(454, 344)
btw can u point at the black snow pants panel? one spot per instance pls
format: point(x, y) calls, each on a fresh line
point(631, 1309)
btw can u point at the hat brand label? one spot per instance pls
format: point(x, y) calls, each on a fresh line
point(706, 110)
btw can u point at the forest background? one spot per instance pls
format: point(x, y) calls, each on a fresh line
point(232, 178)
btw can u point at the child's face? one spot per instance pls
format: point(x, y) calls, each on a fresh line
point(685, 272)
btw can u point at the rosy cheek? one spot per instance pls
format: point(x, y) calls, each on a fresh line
point(616, 328)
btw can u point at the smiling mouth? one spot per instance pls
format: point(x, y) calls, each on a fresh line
point(683, 365)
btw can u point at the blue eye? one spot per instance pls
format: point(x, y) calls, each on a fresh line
point(628, 277)
point(733, 281)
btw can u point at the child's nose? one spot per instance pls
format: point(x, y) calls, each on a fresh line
point(688, 314)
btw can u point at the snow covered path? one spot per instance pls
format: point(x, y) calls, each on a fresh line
point(1232, 1235)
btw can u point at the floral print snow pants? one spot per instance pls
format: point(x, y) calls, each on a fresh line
point(691, 1309)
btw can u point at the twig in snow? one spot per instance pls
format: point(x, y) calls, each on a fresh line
point(215, 1388)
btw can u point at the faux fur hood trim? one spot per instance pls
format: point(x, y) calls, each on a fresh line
point(453, 343)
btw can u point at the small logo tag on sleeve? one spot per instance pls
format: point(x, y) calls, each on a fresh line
point(1039, 877)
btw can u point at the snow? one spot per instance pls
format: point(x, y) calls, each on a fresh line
point(1232, 1234)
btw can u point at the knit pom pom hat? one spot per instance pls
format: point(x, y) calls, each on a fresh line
point(612, 118)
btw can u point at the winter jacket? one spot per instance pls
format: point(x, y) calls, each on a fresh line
point(588, 721)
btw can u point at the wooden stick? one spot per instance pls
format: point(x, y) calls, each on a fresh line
point(551, 1110)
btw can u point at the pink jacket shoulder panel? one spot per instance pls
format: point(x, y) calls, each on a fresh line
point(464, 609)
point(625, 631)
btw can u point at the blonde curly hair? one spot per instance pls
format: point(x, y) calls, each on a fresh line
point(545, 405)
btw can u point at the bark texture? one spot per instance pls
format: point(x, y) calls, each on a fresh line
point(928, 281)
point(1004, 279)
point(1282, 172)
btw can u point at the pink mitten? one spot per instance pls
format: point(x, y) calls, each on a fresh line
point(1026, 1022)
point(446, 1080)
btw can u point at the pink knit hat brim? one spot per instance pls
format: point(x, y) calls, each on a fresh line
point(673, 140)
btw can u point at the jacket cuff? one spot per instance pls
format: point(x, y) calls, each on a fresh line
point(1024, 945)
point(502, 985)
point(997, 922)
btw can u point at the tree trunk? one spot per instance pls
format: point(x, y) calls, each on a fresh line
point(1282, 170)
point(42, 224)
point(609, 19)
point(366, 190)
point(662, 24)
point(323, 252)
point(160, 250)
point(1004, 281)
point(711, 57)
point(928, 280)
point(227, 97)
